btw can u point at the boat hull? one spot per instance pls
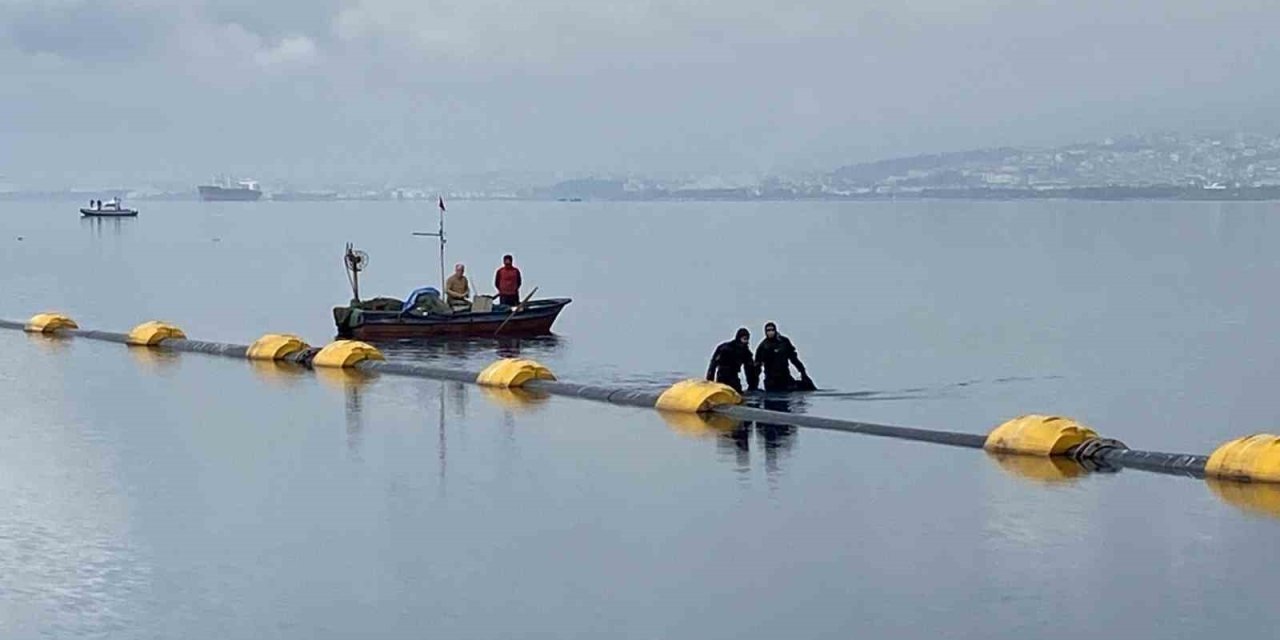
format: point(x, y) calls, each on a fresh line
point(222, 194)
point(535, 320)
point(107, 213)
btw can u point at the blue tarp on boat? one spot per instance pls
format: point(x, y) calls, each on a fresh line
point(412, 300)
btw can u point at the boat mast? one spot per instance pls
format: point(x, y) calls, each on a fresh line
point(442, 241)
point(440, 235)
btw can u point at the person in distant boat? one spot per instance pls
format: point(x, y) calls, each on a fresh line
point(456, 289)
point(507, 281)
point(732, 356)
point(775, 355)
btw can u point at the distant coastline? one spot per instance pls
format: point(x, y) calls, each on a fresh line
point(1165, 167)
point(1097, 194)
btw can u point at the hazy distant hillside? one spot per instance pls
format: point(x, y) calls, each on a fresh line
point(874, 172)
point(1238, 160)
point(1184, 166)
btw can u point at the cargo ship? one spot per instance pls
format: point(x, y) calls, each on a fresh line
point(244, 190)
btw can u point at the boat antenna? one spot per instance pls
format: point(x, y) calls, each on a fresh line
point(356, 262)
point(438, 234)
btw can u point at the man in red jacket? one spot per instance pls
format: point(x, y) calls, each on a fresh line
point(507, 281)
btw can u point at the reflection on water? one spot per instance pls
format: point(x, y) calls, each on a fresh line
point(776, 440)
point(344, 378)
point(1043, 470)
point(354, 410)
point(1252, 497)
point(155, 360)
point(441, 405)
point(518, 400)
point(733, 438)
point(475, 354)
point(698, 425)
point(50, 343)
point(470, 352)
point(104, 226)
point(278, 373)
point(351, 382)
point(442, 438)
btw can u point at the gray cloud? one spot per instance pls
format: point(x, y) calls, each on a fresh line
point(85, 32)
point(412, 88)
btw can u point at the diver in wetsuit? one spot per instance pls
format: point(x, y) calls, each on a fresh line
point(731, 356)
point(775, 354)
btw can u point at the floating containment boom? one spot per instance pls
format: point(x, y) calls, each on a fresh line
point(1252, 459)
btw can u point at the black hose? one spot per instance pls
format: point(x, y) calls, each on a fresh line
point(209, 348)
point(1178, 464)
point(107, 336)
point(417, 370)
point(951, 438)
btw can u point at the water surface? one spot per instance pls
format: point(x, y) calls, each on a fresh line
point(156, 495)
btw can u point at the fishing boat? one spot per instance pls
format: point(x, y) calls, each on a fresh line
point(424, 313)
point(110, 209)
point(392, 318)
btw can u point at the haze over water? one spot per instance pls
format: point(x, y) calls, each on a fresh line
point(186, 495)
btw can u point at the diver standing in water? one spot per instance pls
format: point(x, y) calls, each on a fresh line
point(731, 356)
point(775, 355)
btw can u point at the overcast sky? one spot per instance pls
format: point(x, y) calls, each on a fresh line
point(413, 89)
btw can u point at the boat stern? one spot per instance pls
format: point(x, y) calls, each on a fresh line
point(346, 319)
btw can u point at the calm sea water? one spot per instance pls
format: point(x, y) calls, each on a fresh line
point(158, 496)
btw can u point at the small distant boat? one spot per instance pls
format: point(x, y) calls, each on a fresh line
point(110, 209)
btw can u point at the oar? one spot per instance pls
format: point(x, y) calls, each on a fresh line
point(513, 311)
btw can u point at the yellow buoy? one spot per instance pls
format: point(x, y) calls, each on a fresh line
point(151, 333)
point(1038, 435)
point(275, 346)
point(513, 372)
point(693, 396)
point(1255, 457)
point(346, 353)
point(49, 322)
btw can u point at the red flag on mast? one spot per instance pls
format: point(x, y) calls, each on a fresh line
point(441, 203)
